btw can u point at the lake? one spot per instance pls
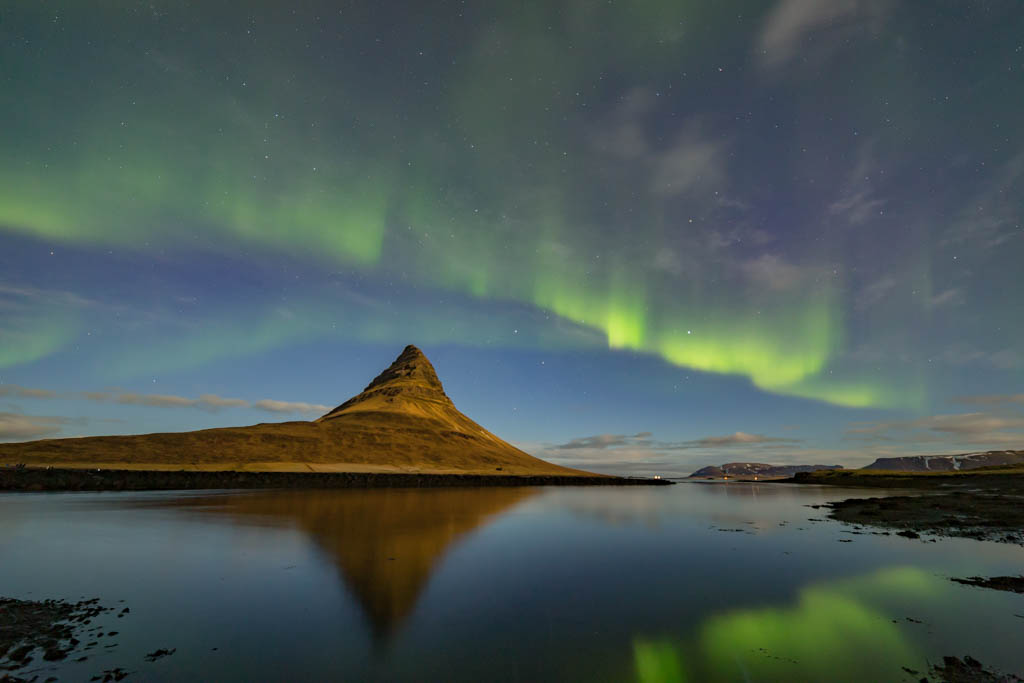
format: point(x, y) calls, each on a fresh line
point(695, 582)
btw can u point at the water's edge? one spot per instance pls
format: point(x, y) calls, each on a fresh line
point(55, 479)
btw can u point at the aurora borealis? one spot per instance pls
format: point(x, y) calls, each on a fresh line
point(783, 219)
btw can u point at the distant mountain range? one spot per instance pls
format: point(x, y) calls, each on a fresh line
point(946, 463)
point(910, 463)
point(756, 469)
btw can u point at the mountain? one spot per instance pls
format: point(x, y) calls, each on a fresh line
point(401, 422)
point(946, 463)
point(756, 469)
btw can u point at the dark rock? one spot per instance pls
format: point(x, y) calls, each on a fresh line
point(160, 654)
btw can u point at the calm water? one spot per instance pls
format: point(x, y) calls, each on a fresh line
point(696, 582)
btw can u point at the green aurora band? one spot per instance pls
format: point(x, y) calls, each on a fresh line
point(464, 188)
point(835, 626)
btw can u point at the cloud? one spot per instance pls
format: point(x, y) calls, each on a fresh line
point(640, 454)
point(961, 428)
point(736, 439)
point(154, 400)
point(15, 427)
point(23, 392)
point(771, 272)
point(970, 424)
point(874, 292)
point(692, 161)
point(211, 402)
point(991, 399)
point(605, 441)
point(885, 287)
point(788, 28)
point(643, 441)
point(273, 406)
point(32, 297)
point(214, 401)
point(858, 201)
point(949, 296)
point(857, 206)
point(962, 354)
point(992, 217)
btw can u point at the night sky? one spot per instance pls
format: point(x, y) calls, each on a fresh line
point(632, 236)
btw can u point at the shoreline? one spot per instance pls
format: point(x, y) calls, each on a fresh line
point(67, 479)
point(996, 478)
point(985, 504)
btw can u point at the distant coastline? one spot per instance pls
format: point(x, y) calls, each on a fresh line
point(79, 479)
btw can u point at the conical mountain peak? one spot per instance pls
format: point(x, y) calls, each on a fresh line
point(411, 367)
point(410, 379)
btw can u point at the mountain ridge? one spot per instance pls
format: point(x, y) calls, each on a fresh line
point(947, 463)
point(755, 469)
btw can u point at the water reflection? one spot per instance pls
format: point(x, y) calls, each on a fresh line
point(385, 542)
point(836, 630)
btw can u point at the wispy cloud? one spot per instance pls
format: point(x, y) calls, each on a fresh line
point(963, 354)
point(771, 272)
point(32, 297)
point(991, 399)
point(15, 391)
point(15, 427)
point(640, 453)
point(210, 402)
point(735, 439)
point(643, 441)
point(875, 291)
point(858, 200)
point(788, 28)
point(694, 160)
point(273, 406)
point(992, 217)
point(606, 441)
point(961, 428)
point(946, 297)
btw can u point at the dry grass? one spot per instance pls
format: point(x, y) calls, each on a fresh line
point(366, 442)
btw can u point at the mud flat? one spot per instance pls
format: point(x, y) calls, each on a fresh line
point(60, 479)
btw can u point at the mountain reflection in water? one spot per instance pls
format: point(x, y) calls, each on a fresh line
point(385, 542)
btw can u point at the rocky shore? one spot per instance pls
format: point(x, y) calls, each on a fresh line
point(986, 504)
point(49, 631)
point(57, 479)
point(981, 516)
